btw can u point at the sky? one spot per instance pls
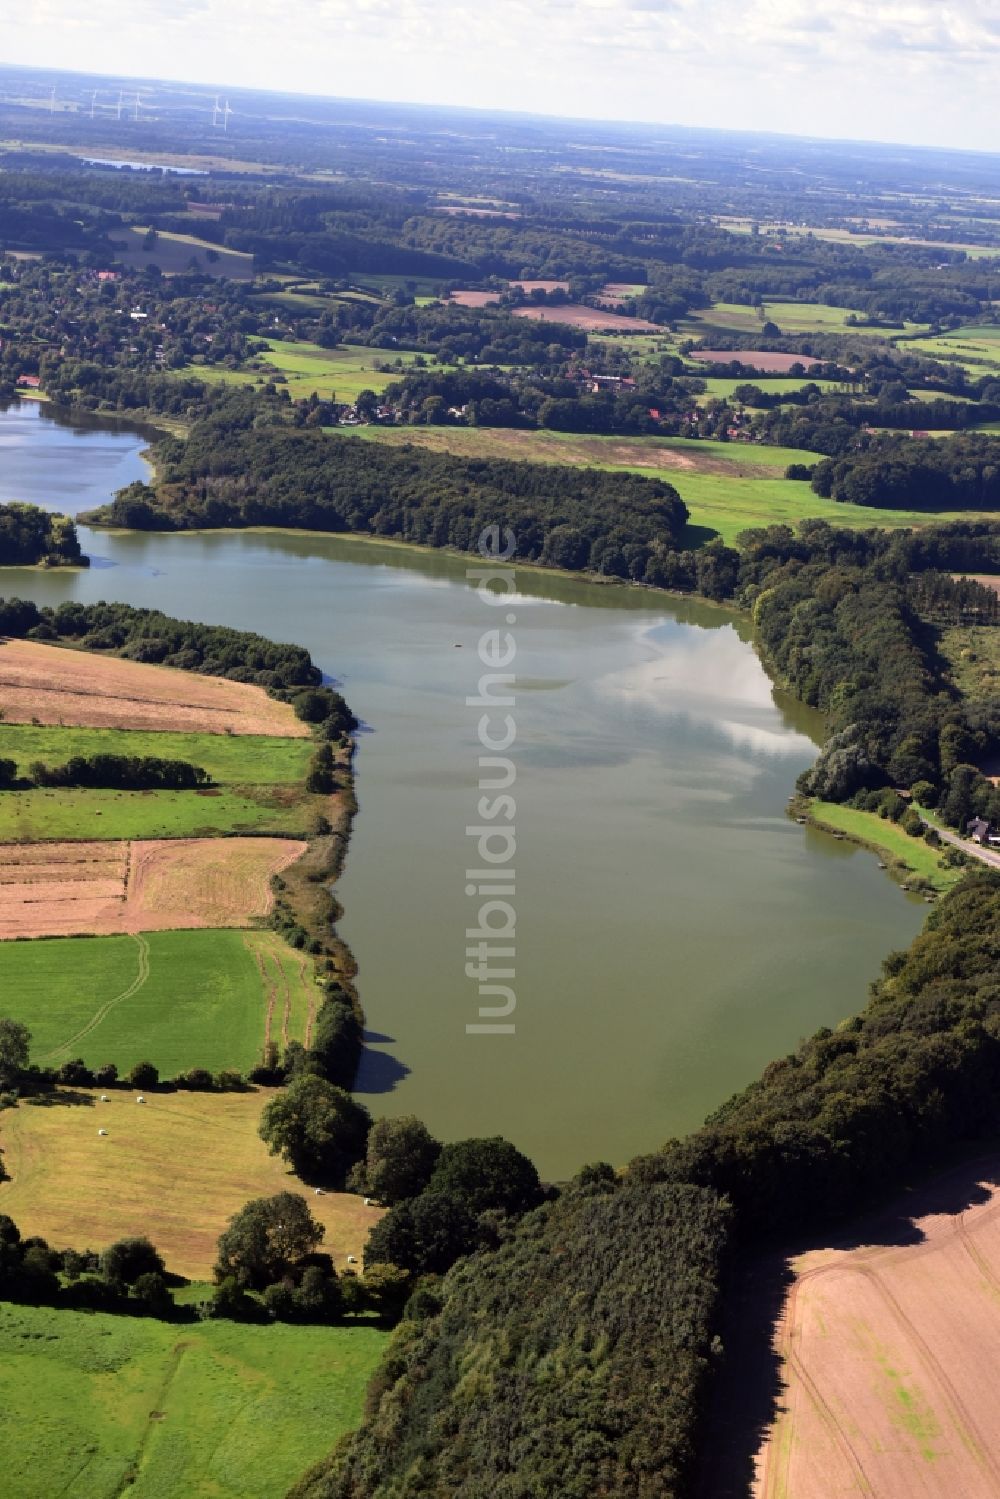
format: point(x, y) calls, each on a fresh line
point(917, 71)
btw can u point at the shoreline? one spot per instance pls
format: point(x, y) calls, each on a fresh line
point(596, 580)
point(892, 861)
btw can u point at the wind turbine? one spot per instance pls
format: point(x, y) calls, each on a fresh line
point(216, 111)
point(52, 101)
point(225, 117)
point(121, 100)
point(136, 115)
point(93, 103)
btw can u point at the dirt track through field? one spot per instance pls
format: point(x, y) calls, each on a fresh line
point(890, 1359)
point(73, 889)
point(61, 1052)
point(49, 684)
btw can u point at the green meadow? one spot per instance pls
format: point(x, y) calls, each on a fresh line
point(722, 388)
point(176, 999)
point(726, 486)
point(976, 347)
point(37, 815)
point(727, 505)
point(173, 254)
point(379, 283)
point(789, 317)
point(96, 1406)
point(233, 759)
point(335, 374)
point(903, 854)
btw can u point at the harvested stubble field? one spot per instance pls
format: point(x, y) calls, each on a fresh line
point(891, 1357)
point(769, 361)
point(207, 998)
point(97, 1405)
point(175, 1168)
point(49, 684)
point(474, 298)
point(75, 889)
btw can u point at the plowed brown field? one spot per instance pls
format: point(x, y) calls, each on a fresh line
point(891, 1363)
point(593, 319)
point(69, 889)
point(49, 684)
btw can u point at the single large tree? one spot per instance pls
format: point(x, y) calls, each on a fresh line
point(402, 1153)
point(265, 1239)
point(425, 1236)
point(129, 1259)
point(487, 1174)
point(316, 1127)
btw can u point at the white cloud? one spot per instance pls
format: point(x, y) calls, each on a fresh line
point(891, 69)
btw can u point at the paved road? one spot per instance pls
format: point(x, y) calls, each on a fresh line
point(974, 850)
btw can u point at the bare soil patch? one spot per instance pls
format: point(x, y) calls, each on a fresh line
point(52, 685)
point(70, 889)
point(765, 361)
point(890, 1356)
point(474, 298)
point(594, 319)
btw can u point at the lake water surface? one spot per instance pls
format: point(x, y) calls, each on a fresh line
point(675, 930)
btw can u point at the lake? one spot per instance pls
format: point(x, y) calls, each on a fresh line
point(675, 930)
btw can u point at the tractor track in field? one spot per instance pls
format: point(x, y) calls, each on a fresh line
point(773, 1476)
point(964, 1422)
point(268, 988)
point(131, 1472)
point(105, 1009)
point(773, 1482)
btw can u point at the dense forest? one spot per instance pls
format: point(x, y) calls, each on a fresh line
point(962, 473)
point(845, 619)
point(569, 1361)
point(231, 472)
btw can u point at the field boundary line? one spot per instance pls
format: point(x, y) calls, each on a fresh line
point(310, 988)
point(286, 1012)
